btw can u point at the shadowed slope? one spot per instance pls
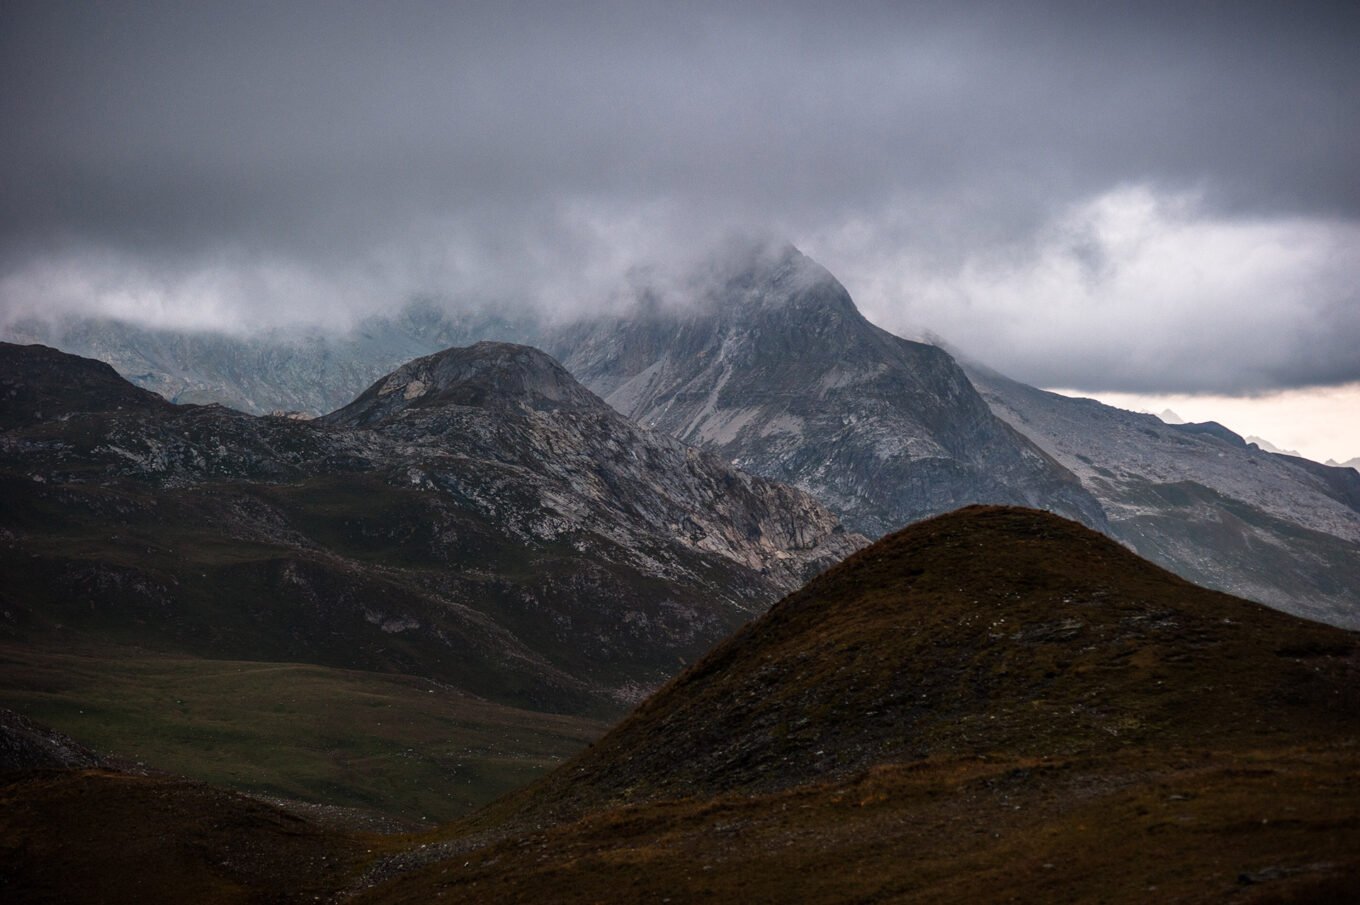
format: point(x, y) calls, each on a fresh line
point(994, 705)
point(100, 837)
point(38, 382)
point(985, 630)
point(481, 521)
point(477, 517)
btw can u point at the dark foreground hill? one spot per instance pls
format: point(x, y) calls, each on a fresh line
point(995, 705)
point(992, 705)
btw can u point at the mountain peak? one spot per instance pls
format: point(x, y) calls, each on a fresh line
point(777, 281)
point(39, 383)
point(773, 368)
point(483, 375)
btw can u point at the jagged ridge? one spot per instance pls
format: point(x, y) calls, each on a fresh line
point(773, 368)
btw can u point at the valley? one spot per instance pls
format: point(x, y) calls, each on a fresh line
point(398, 746)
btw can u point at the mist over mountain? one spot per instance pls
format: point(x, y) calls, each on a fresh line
point(775, 370)
point(312, 371)
point(761, 357)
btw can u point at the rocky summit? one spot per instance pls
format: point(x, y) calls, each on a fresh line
point(477, 518)
point(770, 366)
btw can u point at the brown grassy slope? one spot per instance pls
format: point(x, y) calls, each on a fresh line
point(988, 630)
point(95, 836)
point(994, 705)
point(1126, 829)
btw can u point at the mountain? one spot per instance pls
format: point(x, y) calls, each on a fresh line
point(762, 359)
point(477, 516)
point(769, 365)
point(1350, 463)
point(1272, 448)
point(1199, 500)
point(991, 705)
point(312, 371)
point(476, 519)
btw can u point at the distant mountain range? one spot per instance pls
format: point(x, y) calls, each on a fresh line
point(1198, 499)
point(312, 372)
point(1272, 448)
point(477, 517)
point(1269, 447)
point(766, 363)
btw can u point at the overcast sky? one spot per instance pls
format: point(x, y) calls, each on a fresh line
point(1160, 200)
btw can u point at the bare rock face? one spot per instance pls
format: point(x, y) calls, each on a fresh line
point(1201, 501)
point(772, 368)
point(508, 403)
point(26, 745)
point(477, 517)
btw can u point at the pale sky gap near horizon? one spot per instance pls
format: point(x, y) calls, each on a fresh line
point(1159, 202)
point(1319, 423)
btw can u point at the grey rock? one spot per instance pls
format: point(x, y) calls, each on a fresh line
point(1199, 500)
point(774, 369)
point(477, 517)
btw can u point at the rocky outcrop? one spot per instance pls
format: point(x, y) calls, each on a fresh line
point(771, 367)
point(476, 517)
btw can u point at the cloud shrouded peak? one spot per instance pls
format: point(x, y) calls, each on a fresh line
point(1074, 191)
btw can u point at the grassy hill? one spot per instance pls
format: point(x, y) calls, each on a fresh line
point(992, 705)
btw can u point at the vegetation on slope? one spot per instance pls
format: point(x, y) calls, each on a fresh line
point(494, 528)
point(986, 630)
point(992, 705)
point(402, 745)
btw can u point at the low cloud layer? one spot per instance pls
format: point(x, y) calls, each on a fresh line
point(1139, 292)
point(1152, 201)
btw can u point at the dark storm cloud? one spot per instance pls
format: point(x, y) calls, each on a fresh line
point(230, 162)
